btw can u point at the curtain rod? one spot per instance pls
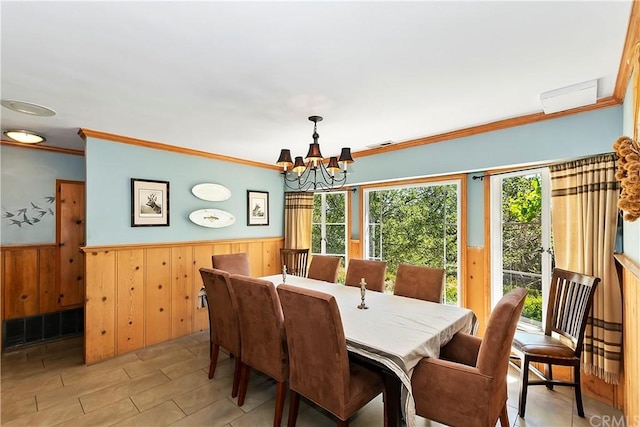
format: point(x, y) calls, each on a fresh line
point(542, 165)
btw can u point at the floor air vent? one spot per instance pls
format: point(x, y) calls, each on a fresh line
point(44, 327)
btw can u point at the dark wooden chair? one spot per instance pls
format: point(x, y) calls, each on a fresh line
point(232, 263)
point(570, 299)
point(319, 363)
point(224, 326)
point(467, 385)
point(420, 282)
point(262, 335)
point(324, 267)
point(373, 273)
point(295, 260)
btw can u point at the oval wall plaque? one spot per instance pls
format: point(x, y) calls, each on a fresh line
point(211, 192)
point(212, 218)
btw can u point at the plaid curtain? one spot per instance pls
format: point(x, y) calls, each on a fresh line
point(584, 197)
point(298, 211)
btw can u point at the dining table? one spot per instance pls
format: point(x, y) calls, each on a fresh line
point(393, 333)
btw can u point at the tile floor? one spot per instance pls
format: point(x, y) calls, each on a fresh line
point(167, 384)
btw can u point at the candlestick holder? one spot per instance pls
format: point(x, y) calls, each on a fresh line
point(363, 290)
point(284, 274)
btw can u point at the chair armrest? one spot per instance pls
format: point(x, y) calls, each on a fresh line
point(441, 386)
point(463, 348)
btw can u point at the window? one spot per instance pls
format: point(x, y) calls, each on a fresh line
point(415, 224)
point(329, 226)
point(521, 254)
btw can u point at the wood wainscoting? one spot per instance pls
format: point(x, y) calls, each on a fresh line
point(631, 341)
point(139, 295)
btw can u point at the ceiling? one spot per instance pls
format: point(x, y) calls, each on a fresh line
point(241, 78)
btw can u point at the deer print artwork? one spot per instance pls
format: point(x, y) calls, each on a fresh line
point(152, 203)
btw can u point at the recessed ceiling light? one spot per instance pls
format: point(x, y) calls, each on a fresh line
point(24, 136)
point(27, 108)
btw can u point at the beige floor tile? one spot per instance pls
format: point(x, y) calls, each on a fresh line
point(48, 417)
point(156, 395)
point(159, 350)
point(164, 414)
point(186, 367)
point(219, 413)
point(13, 409)
point(108, 395)
point(106, 416)
point(205, 395)
point(80, 388)
point(159, 361)
point(17, 389)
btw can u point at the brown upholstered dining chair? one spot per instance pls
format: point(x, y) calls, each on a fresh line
point(224, 326)
point(295, 260)
point(232, 263)
point(318, 359)
point(420, 282)
point(262, 335)
point(373, 273)
point(467, 385)
point(324, 267)
point(570, 299)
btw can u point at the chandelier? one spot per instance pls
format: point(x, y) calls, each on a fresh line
point(312, 174)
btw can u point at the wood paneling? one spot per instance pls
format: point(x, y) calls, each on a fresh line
point(100, 308)
point(48, 296)
point(130, 308)
point(141, 295)
point(21, 290)
point(70, 232)
point(183, 300)
point(631, 340)
point(476, 294)
point(28, 280)
point(157, 316)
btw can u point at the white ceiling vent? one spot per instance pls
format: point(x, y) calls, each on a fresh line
point(569, 97)
point(381, 144)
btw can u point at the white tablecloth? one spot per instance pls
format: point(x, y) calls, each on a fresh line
point(395, 331)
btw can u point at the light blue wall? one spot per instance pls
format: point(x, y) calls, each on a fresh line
point(567, 137)
point(111, 165)
point(28, 178)
point(631, 230)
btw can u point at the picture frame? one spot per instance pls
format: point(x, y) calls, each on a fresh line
point(257, 207)
point(149, 203)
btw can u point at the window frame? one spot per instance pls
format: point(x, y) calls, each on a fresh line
point(461, 181)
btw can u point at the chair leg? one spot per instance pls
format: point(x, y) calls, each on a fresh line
point(214, 360)
point(294, 405)
point(385, 403)
point(504, 416)
point(549, 375)
point(576, 378)
point(524, 384)
point(245, 373)
point(236, 377)
point(281, 393)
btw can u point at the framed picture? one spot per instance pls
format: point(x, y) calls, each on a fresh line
point(257, 207)
point(149, 203)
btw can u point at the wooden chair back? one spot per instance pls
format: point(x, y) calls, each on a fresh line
point(570, 300)
point(295, 260)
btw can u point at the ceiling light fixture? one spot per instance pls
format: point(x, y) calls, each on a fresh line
point(312, 174)
point(24, 136)
point(27, 108)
